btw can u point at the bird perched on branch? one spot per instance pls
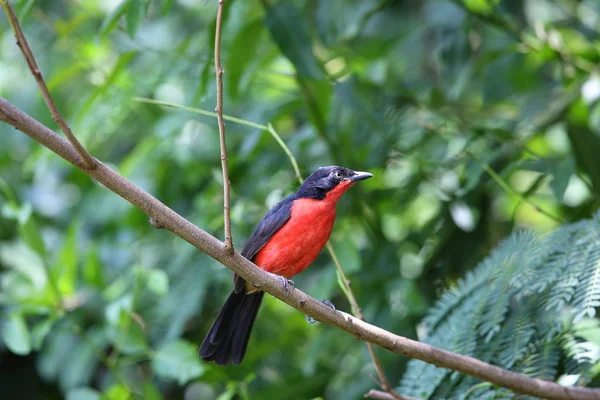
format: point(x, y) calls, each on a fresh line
point(287, 240)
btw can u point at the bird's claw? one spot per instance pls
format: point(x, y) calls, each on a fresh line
point(328, 303)
point(287, 284)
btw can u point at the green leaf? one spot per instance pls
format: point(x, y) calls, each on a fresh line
point(178, 360)
point(111, 20)
point(246, 41)
point(479, 6)
point(290, 31)
point(117, 392)
point(151, 392)
point(128, 336)
point(66, 271)
point(83, 393)
point(561, 174)
point(158, 281)
point(136, 9)
point(587, 147)
point(40, 331)
point(31, 235)
point(93, 273)
point(19, 213)
point(16, 335)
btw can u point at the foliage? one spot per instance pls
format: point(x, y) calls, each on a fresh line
point(526, 307)
point(477, 118)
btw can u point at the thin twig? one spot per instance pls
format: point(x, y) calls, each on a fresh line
point(508, 189)
point(213, 247)
point(221, 122)
point(89, 161)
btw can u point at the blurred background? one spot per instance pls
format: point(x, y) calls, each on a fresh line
point(477, 117)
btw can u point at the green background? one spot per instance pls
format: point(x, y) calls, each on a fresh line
point(476, 117)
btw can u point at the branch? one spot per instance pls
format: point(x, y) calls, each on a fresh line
point(88, 160)
point(221, 122)
point(213, 247)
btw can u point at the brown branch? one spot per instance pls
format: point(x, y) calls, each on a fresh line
point(221, 122)
point(213, 247)
point(88, 161)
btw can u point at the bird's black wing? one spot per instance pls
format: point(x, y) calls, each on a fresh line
point(270, 224)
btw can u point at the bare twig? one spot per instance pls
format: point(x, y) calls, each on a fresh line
point(221, 122)
point(213, 247)
point(88, 161)
point(508, 189)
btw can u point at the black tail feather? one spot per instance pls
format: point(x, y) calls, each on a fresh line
point(227, 340)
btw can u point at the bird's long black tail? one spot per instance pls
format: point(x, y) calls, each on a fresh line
point(227, 340)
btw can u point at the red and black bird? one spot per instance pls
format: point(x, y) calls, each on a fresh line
point(287, 240)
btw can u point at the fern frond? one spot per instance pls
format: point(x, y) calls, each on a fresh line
point(454, 335)
point(516, 334)
point(455, 295)
point(542, 360)
point(581, 256)
point(516, 310)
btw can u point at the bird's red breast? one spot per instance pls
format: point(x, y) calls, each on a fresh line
point(298, 243)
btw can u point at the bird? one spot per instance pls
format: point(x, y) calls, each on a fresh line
point(285, 242)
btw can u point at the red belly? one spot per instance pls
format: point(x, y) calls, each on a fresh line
point(298, 243)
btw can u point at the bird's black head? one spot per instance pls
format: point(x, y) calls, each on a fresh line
point(328, 179)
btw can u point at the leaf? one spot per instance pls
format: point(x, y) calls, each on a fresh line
point(40, 331)
point(246, 41)
point(16, 335)
point(92, 271)
point(127, 335)
point(83, 393)
point(19, 213)
point(291, 33)
point(177, 360)
point(151, 392)
point(111, 20)
point(31, 235)
point(158, 281)
point(479, 6)
point(136, 9)
point(561, 173)
point(117, 392)
point(586, 143)
point(66, 271)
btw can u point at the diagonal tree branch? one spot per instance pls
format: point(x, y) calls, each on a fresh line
point(221, 122)
point(88, 160)
point(213, 247)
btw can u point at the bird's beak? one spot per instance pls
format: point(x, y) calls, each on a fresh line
point(360, 176)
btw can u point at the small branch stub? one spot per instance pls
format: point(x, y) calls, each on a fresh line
point(156, 223)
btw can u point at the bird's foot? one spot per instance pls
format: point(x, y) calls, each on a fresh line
point(287, 284)
point(328, 303)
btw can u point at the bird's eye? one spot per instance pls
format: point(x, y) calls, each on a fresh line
point(338, 174)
